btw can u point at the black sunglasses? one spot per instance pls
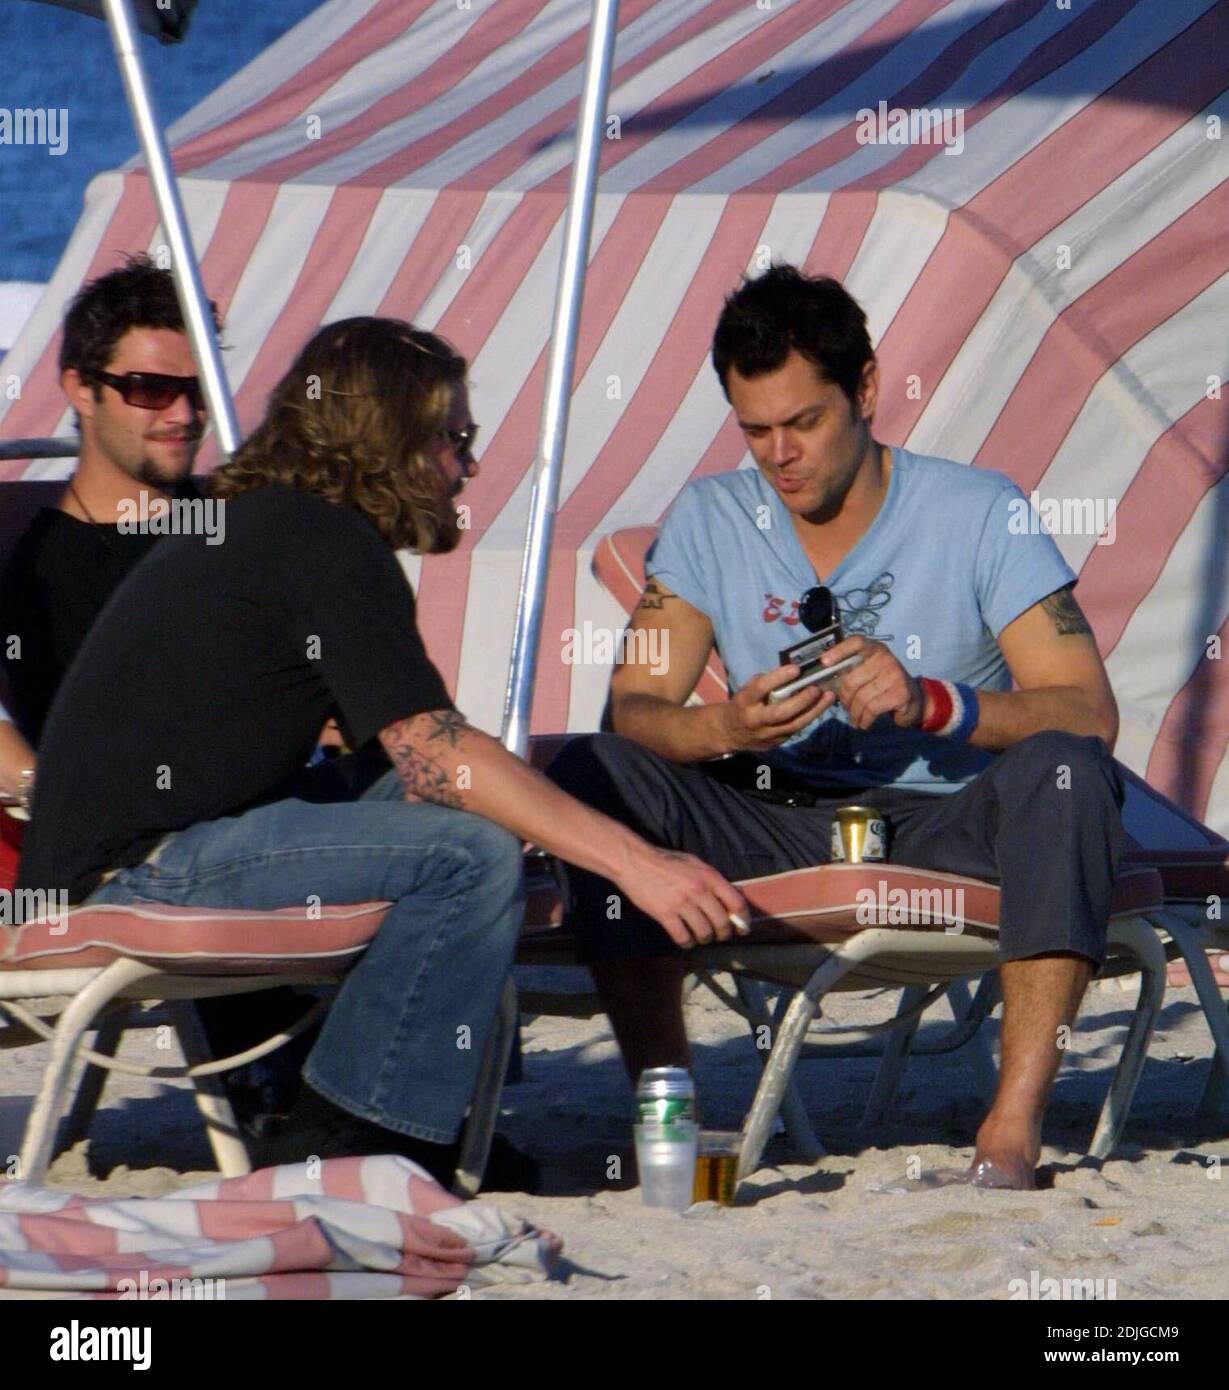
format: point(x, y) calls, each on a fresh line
point(154, 390)
point(817, 609)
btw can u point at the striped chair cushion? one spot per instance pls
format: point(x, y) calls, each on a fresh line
point(832, 902)
point(197, 940)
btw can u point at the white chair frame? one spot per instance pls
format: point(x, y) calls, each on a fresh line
point(92, 992)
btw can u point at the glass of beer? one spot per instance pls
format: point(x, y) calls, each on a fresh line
point(717, 1166)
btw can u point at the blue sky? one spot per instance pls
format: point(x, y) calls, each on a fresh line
point(57, 59)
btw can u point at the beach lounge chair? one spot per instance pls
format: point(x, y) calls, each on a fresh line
point(101, 961)
point(1194, 914)
point(811, 935)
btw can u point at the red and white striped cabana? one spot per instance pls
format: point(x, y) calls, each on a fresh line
point(1051, 301)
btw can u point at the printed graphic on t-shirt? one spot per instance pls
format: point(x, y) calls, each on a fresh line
point(859, 609)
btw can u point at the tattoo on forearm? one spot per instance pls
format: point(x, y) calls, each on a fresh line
point(1065, 613)
point(654, 597)
point(447, 724)
point(424, 776)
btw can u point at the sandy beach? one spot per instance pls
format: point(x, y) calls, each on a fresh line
point(1147, 1224)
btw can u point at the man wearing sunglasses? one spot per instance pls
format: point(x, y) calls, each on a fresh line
point(944, 603)
point(303, 613)
point(126, 367)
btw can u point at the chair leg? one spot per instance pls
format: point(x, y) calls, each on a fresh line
point(484, 1111)
point(1190, 943)
point(790, 1034)
point(89, 1093)
point(222, 1129)
point(895, 1056)
point(76, 1019)
point(900, 1045)
point(981, 1054)
point(802, 1137)
point(777, 1072)
point(1139, 937)
point(1214, 1100)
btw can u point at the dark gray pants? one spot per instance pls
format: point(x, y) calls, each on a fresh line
point(1051, 840)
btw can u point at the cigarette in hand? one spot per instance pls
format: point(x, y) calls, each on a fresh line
point(740, 924)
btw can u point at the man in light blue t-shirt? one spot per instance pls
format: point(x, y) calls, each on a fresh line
point(944, 599)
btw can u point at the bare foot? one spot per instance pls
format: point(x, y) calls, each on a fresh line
point(1017, 1175)
point(982, 1172)
point(1006, 1155)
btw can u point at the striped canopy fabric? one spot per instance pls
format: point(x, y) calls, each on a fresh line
point(1028, 196)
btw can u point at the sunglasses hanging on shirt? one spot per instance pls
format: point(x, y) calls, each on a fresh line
point(819, 614)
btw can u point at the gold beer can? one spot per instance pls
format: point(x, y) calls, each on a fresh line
point(859, 835)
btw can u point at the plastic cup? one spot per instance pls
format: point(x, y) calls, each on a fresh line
point(666, 1162)
point(717, 1166)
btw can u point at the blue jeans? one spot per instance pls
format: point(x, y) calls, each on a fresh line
point(402, 1044)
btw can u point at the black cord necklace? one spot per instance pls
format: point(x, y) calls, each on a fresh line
point(108, 541)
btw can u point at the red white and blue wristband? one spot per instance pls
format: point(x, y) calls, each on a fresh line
point(954, 710)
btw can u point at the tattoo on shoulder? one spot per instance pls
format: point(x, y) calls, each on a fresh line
point(1065, 613)
point(654, 596)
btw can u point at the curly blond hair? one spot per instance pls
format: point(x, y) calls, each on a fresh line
point(352, 421)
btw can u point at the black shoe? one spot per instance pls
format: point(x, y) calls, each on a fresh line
point(263, 1099)
point(317, 1126)
point(508, 1169)
point(264, 1093)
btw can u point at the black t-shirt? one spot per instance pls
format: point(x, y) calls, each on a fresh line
point(202, 688)
point(58, 580)
point(61, 575)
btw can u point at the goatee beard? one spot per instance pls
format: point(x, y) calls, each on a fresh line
point(149, 474)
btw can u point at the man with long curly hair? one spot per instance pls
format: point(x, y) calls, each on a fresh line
point(171, 767)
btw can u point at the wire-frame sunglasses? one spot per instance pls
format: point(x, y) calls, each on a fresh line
point(462, 441)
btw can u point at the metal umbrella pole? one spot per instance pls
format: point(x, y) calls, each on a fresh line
point(186, 273)
point(554, 427)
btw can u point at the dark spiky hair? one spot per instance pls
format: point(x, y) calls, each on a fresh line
point(137, 295)
point(782, 310)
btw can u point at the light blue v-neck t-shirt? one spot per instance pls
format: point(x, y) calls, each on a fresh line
point(944, 567)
